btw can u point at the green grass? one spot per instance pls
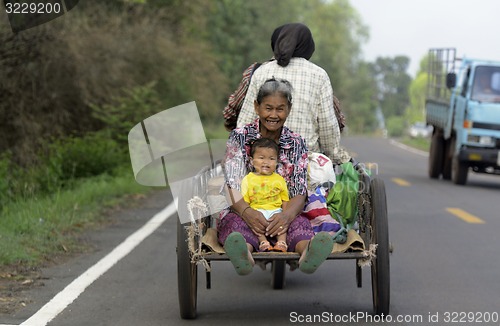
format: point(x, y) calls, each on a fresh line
point(418, 143)
point(36, 226)
point(34, 230)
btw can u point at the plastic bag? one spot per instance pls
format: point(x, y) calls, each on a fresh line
point(320, 170)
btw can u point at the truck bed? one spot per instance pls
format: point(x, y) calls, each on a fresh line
point(437, 113)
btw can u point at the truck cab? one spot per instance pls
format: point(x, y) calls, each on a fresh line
point(466, 116)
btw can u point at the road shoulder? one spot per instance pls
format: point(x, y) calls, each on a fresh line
point(24, 292)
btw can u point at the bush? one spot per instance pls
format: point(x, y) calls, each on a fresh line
point(4, 179)
point(80, 157)
point(61, 164)
point(103, 53)
point(396, 126)
point(126, 111)
point(16, 182)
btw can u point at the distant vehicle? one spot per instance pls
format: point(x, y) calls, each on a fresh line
point(420, 129)
point(463, 105)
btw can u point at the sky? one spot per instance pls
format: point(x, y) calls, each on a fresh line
point(412, 27)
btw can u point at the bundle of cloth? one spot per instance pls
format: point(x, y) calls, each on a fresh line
point(333, 207)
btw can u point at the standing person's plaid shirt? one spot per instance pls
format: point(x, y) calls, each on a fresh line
point(312, 114)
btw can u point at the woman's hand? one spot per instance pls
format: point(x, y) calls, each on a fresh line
point(279, 223)
point(255, 221)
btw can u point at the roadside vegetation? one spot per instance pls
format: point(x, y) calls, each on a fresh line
point(421, 143)
point(37, 228)
point(44, 207)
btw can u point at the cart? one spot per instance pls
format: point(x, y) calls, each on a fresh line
point(372, 228)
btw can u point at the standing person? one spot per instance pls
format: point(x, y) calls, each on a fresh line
point(265, 190)
point(313, 114)
point(239, 226)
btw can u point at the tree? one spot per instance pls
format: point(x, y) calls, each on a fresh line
point(339, 33)
point(359, 105)
point(239, 31)
point(417, 93)
point(392, 82)
point(52, 76)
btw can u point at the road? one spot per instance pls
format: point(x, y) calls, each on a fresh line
point(444, 265)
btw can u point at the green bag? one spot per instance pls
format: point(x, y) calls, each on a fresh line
point(342, 200)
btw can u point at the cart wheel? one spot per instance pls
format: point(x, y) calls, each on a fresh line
point(187, 272)
point(187, 276)
point(436, 155)
point(278, 270)
point(380, 235)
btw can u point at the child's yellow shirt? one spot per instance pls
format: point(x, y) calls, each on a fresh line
point(264, 191)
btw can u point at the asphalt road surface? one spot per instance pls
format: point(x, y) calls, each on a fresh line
point(444, 269)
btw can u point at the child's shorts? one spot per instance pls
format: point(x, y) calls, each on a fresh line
point(268, 213)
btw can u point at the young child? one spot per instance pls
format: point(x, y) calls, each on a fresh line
point(265, 190)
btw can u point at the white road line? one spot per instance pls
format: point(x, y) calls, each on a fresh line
point(408, 148)
point(74, 289)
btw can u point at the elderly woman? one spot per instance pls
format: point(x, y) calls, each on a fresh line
point(239, 225)
point(313, 115)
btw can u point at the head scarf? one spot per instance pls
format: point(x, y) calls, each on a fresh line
point(292, 40)
point(275, 35)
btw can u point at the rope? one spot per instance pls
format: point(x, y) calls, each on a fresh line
point(197, 210)
point(370, 254)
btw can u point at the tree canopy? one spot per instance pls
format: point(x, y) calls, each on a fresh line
point(106, 62)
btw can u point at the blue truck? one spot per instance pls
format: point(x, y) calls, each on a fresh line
point(463, 105)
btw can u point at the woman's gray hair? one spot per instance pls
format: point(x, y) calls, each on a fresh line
point(273, 86)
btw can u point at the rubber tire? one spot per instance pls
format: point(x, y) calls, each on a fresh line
point(380, 269)
point(278, 270)
point(447, 159)
point(187, 276)
point(436, 155)
point(459, 171)
point(187, 272)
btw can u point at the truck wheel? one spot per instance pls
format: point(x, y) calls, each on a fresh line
point(436, 155)
point(459, 171)
point(447, 159)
